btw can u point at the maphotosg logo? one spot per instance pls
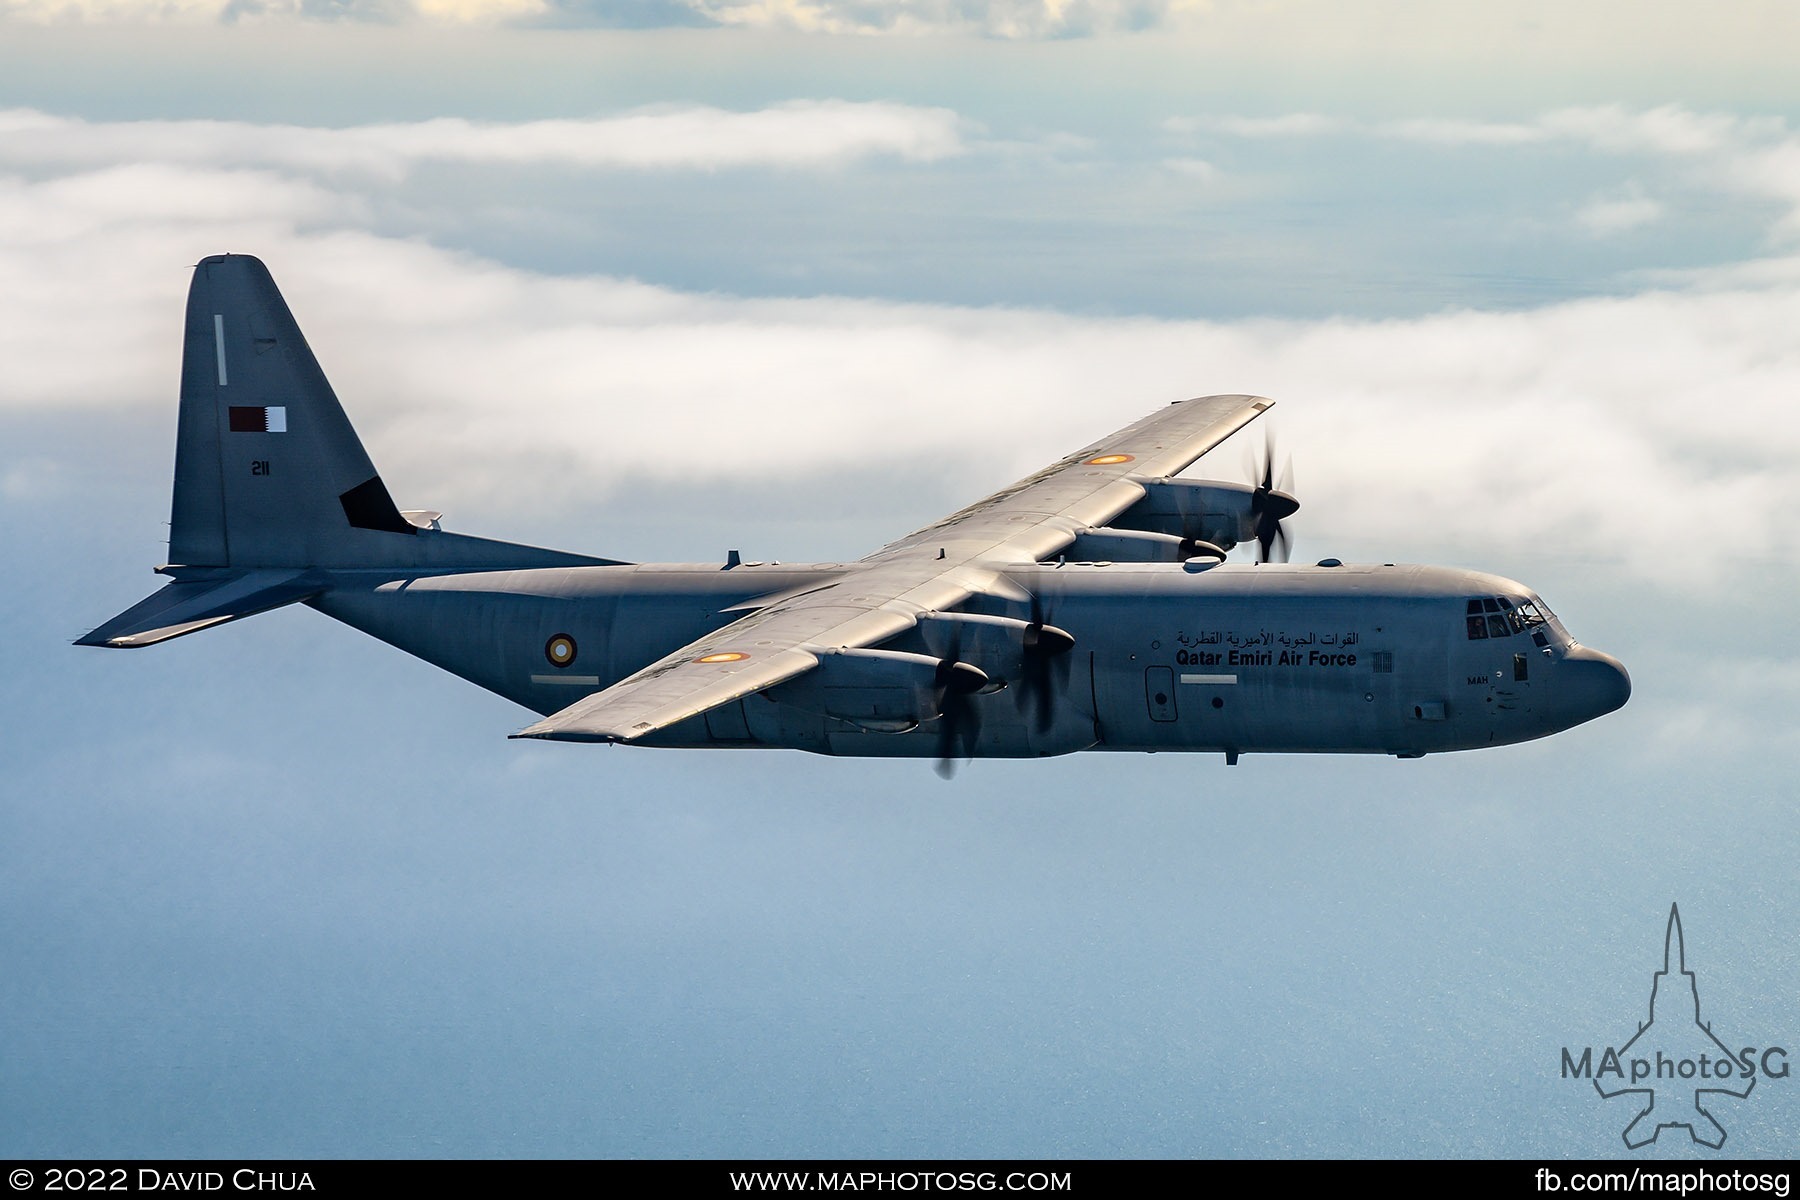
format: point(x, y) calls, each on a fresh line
point(1675, 1063)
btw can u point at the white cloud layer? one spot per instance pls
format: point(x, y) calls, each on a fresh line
point(459, 12)
point(799, 134)
point(50, 11)
point(1753, 157)
point(1637, 427)
point(1471, 34)
point(1606, 215)
point(993, 18)
point(1000, 18)
point(1287, 125)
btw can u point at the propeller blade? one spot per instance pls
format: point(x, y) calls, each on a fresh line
point(959, 729)
point(959, 719)
point(1271, 505)
point(1044, 667)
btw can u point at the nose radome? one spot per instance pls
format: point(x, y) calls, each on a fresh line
point(1598, 682)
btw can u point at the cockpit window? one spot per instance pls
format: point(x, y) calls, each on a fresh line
point(1548, 628)
point(1501, 617)
point(1526, 616)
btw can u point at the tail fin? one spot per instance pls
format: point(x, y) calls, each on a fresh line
point(268, 471)
point(273, 488)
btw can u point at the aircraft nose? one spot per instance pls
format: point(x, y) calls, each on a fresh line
point(1596, 683)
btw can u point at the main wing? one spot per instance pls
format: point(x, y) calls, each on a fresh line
point(932, 570)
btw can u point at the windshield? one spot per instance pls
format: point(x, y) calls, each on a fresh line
point(1504, 617)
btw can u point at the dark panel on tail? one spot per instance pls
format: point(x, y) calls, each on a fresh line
point(369, 506)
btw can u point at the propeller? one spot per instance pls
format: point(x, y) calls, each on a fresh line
point(1044, 667)
point(1271, 505)
point(959, 720)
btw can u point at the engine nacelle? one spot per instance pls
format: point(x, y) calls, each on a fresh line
point(1205, 510)
point(1134, 545)
point(887, 691)
point(997, 646)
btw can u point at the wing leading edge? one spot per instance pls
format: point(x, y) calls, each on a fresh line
point(932, 570)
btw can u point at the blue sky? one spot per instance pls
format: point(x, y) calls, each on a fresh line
point(1526, 293)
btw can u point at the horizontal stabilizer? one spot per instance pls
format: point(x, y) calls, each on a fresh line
point(188, 606)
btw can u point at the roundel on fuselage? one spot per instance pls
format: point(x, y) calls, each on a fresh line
point(560, 650)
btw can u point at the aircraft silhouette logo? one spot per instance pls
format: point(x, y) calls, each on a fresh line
point(1680, 1057)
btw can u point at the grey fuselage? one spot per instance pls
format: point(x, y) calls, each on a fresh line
point(1379, 659)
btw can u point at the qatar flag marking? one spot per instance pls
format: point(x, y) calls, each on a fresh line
point(252, 418)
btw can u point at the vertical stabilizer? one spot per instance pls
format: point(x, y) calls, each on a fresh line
point(268, 471)
point(273, 490)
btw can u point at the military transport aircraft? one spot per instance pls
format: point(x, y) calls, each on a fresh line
point(1086, 607)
